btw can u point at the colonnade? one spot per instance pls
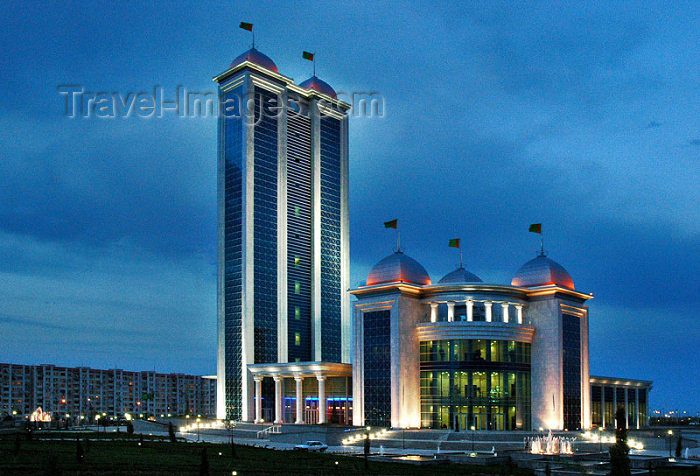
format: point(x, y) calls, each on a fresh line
point(488, 306)
point(279, 399)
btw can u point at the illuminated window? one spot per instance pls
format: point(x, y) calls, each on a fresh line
point(296, 211)
point(297, 313)
point(296, 261)
point(297, 338)
point(297, 287)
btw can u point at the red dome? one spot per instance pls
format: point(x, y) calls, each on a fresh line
point(319, 85)
point(254, 56)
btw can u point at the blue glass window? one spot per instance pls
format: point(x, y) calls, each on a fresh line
point(377, 368)
point(571, 329)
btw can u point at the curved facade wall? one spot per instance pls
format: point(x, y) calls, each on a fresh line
point(474, 330)
point(480, 383)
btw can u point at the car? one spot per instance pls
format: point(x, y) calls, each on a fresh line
point(312, 446)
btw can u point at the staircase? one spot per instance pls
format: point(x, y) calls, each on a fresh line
point(264, 434)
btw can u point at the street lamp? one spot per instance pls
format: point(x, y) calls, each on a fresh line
point(473, 428)
point(600, 439)
point(670, 439)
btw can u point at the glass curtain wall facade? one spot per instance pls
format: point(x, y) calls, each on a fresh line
point(571, 329)
point(265, 227)
point(230, 147)
point(299, 235)
point(603, 405)
point(377, 368)
point(330, 239)
point(478, 382)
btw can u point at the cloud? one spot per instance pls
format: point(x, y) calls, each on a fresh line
point(26, 322)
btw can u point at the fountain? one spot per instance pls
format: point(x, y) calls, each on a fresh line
point(550, 445)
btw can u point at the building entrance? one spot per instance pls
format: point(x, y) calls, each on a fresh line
point(497, 422)
point(311, 412)
point(461, 422)
point(480, 421)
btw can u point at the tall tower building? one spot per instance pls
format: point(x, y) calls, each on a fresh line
point(282, 239)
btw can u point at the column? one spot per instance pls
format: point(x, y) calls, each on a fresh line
point(627, 412)
point(489, 313)
point(450, 312)
point(602, 406)
point(433, 311)
point(300, 400)
point(470, 311)
point(258, 399)
point(322, 407)
point(636, 405)
point(278, 399)
point(505, 312)
point(519, 309)
point(614, 406)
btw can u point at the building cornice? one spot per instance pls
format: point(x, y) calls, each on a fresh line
point(403, 288)
point(622, 382)
point(288, 82)
point(434, 289)
point(304, 369)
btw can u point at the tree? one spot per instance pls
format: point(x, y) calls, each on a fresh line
point(204, 464)
point(79, 452)
point(619, 452)
point(171, 433)
point(51, 468)
point(130, 429)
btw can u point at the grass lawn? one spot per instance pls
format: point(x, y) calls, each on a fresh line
point(124, 457)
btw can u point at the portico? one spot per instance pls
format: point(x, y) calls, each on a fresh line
point(310, 389)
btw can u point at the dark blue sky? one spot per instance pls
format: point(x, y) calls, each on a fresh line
point(580, 117)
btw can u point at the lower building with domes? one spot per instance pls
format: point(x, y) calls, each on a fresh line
point(464, 354)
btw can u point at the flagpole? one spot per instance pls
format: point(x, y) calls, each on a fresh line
point(314, 62)
point(253, 32)
point(398, 240)
point(460, 258)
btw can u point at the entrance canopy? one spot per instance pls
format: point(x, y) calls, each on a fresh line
point(301, 369)
point(320, 371)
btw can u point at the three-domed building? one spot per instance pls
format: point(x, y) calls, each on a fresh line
point(461, 353)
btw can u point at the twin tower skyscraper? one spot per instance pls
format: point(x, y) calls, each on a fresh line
point(283, 258)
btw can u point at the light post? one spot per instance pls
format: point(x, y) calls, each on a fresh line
point(600, 430)
point(473, 428)
point(366, 447)
point(197, 429)
point(670, 439)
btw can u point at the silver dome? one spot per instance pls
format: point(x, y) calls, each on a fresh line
point(542, 271)
point(254, 56)
point(398, 268)
point(460, 275)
